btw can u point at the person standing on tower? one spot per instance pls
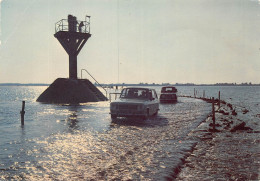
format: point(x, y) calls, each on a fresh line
point(80, 26)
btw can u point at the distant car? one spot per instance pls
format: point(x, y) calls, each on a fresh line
point(169, 89)
point(168, 94)
point(135, 102)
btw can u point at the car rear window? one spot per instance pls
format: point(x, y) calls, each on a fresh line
point(169, 90)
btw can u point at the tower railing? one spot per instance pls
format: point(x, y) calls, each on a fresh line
point(80, 26)
point(95, 80)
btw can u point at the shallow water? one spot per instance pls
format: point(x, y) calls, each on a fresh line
point(83, 143)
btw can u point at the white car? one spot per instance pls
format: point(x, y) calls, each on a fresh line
point(135, 102)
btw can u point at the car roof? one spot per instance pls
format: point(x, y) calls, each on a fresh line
point(138, 88)
point(168, 87)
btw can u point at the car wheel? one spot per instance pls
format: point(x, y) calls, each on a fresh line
point(113, 116)
point(146, 115)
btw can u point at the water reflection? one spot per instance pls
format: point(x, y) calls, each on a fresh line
point(72, 117)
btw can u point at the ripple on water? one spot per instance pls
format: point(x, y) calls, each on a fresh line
point(130, 149)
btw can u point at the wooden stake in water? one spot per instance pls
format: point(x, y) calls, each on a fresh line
point(213, 113)
point(22, 112)
point(218, 99)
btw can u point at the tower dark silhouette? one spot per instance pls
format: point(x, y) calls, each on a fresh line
point(73, 35)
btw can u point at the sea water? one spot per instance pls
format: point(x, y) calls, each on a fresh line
point(81, 142)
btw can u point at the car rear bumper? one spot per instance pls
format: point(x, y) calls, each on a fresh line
point(168, 100)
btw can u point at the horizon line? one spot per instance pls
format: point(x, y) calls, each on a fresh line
point(143, 84)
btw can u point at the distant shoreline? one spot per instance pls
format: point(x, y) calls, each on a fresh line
point(18, 84)
point(179, 84)
point(140, 84)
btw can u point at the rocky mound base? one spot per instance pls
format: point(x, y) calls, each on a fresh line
point(71, 91)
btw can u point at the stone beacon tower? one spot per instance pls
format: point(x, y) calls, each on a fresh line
point(72, 35)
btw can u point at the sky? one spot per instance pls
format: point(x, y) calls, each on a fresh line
point(133, 41)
